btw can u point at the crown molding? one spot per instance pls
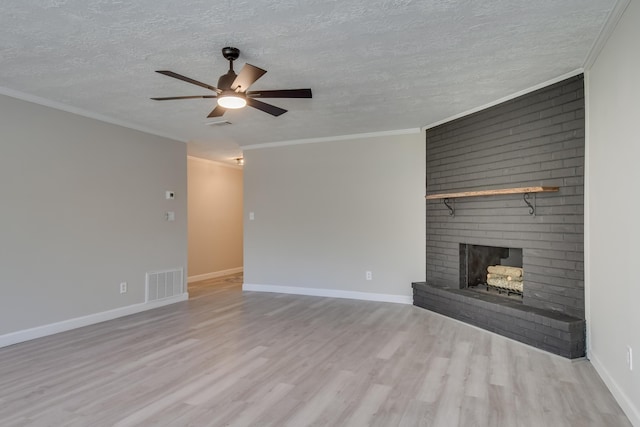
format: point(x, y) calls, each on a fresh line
point(573, 73)
point(605, 32)
point(82, 112)
point(410, 131)
point(215, 162)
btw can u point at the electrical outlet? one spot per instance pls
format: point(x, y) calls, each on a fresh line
point(630, 357)
point(369, 275)
point(123, 287)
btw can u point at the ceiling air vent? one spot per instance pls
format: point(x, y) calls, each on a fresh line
point(219, 123)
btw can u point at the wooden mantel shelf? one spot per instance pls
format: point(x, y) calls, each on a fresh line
point(501, 191)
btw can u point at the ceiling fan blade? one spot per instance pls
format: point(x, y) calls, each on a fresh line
point(284, 93)
point(217, 112)
point(183, 97)
point(248, 75)
point(188, 80)
point(267, 108)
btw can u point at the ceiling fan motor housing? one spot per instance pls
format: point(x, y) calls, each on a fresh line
point(226, 80)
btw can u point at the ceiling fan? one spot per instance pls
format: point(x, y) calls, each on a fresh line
point(232, 92)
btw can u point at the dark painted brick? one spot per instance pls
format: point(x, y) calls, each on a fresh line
point(536, 139)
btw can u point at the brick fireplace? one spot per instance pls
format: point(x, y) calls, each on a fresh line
point(534, 141)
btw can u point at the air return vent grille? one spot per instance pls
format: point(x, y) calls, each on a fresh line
point(218, 123)
point(164, 284)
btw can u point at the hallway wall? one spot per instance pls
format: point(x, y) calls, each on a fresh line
point(214, 218)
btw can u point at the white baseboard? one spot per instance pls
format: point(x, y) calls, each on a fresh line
point(214, 274)
point(331, 293)
point(78, 322)
point(630, 409)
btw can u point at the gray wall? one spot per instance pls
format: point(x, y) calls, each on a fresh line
point(533, 140)
point(83, 208)
point(612, 223)
point(327, 212)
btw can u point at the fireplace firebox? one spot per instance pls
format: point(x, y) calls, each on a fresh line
point(491, 268)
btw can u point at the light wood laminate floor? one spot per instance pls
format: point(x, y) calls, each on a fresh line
point(257, 359)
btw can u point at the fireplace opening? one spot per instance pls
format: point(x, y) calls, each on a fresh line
point(492, 269)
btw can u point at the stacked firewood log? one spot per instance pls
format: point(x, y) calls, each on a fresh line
point(508, 278)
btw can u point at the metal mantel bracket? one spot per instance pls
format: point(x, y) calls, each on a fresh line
point(452, 209)
point(532, 208)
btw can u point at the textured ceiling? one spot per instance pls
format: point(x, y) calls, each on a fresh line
point(373, 65)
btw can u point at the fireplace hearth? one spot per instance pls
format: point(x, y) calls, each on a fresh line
point(548, 330)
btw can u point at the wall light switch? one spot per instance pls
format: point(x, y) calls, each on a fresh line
point(170, 216)
point(251, 216)
point(169, 195)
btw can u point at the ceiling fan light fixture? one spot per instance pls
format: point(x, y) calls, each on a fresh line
point(231, 101)
point(232, 93)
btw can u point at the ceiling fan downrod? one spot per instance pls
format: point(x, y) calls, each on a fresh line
point(226, 80)
point(230, 54)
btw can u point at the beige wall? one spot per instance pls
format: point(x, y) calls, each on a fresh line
point(215, 218)
point(83, 209)
point(327, 212)
point(612, 229)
